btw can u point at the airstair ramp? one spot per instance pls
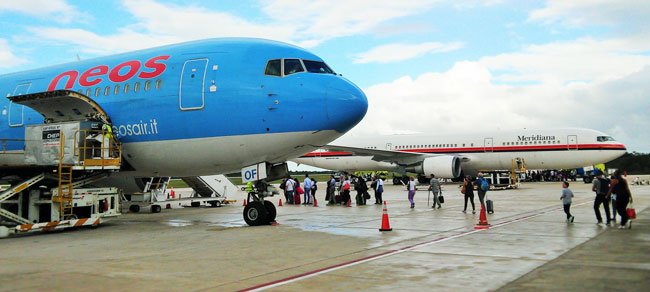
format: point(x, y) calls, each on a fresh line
point(211, 185)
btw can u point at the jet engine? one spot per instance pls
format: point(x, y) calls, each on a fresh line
point(441, 166)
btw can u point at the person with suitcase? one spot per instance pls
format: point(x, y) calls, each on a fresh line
point(620, 187)
point(434, 186)
point(482, 187)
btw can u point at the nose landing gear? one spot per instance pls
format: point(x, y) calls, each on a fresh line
point(259, 211)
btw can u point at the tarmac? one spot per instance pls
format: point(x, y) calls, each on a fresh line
point(529, 247)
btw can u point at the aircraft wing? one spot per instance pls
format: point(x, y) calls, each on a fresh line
point(398, 157)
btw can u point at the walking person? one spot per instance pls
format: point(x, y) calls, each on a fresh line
point(283, 187)
point(345, 190)
point(362, 190)
point(411, 191)
point(620, 187)
point(613, 198)
point(332, 191)
point(601, 187)
point(379, 190)
point(468, 187)
point(306, 184)
point(566, 197)
point(482, 186)
point(434, 186)
point(290, 186)
point(314, 188)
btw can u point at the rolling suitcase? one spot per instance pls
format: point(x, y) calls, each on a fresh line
point(489, 205)
point(296, 199)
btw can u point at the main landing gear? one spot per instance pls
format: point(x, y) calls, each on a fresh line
point(259, 211)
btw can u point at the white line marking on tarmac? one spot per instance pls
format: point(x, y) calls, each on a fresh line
point(325, 270)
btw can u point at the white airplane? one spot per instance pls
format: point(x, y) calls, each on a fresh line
point(452, 156)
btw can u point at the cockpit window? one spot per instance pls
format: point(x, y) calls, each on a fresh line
point(317, 67)
point(273, 68)
point(604, 139)
point(292, 66)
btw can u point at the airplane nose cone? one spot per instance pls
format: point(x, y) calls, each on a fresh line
point(346, 105)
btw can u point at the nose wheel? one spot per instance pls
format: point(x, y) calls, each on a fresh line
point(257, 213)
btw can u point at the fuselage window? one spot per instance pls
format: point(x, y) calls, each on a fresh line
point(107, 90)
point(292, 66)
point(97, 91)
point(147, 85)
point(273, 68)
point(317, 67)
point(116, 91)
point(88, 91)
point(127, 87)
point(136, 86)
point(158, 83)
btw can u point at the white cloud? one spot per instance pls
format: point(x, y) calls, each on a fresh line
point(55, 10)
point(630, 13)
point(584, 59)
point(584, 83)
point(7, 58)
point(326, 19)
point(306, 23)
point(399, 52)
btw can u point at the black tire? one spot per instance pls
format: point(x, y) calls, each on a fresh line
point(271, 212)
point(255, 214)
point(396, 181)
point(587, 179)
point(213, 203)
point(134, 208)
point(196, 204)
point(156, 208)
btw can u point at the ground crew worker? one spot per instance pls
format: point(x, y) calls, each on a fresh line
point(249, 190)
point(108, 139)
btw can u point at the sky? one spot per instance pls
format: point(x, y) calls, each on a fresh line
point(429, 66)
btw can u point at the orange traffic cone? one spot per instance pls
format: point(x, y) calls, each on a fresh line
point(315, 202)
point(385, 225)
point(244, 203)
point(349, 203)
point(280, 204)
point(482, 221)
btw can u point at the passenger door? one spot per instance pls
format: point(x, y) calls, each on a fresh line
point(17, 111)
point(488, 146)
point(192, 88)
point(572, 142)
point(389, 146)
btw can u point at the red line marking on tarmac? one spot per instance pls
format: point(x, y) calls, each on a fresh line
point(324, 270)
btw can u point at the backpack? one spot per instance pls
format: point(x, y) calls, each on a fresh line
point(484, 185)
point(283, 185)
point(604, 186)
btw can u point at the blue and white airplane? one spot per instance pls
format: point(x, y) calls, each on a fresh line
point(199, 108)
